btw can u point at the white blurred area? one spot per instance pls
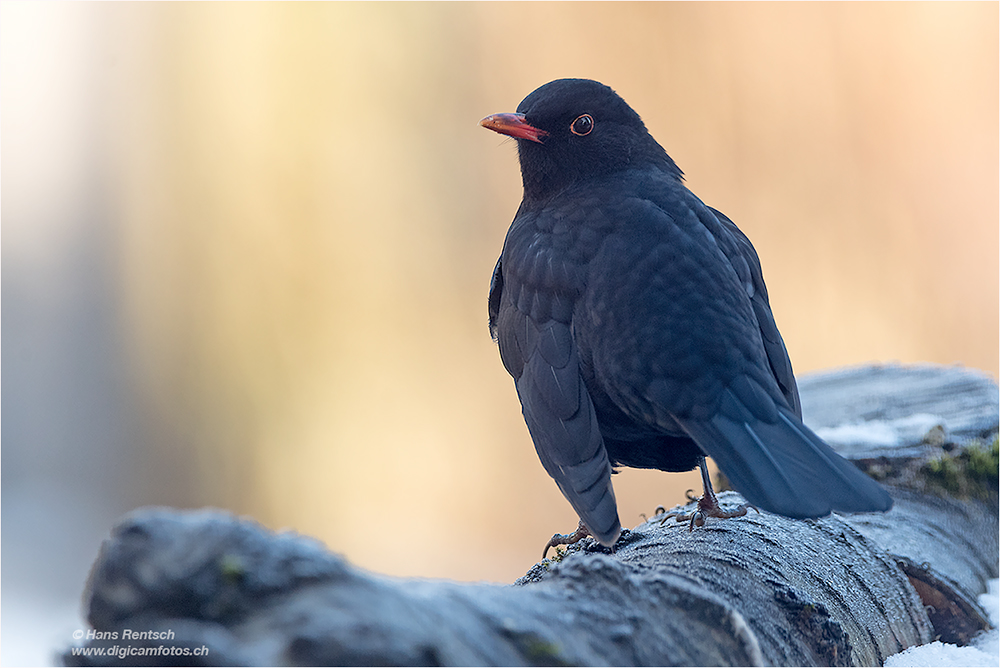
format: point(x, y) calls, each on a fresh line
point(69, 457)
point(246, 250)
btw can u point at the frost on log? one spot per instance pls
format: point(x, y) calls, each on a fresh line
point(757, 590)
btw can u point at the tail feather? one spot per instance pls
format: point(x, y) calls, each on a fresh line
point(784, 468)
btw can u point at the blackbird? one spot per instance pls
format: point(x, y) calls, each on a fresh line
point(635, 322)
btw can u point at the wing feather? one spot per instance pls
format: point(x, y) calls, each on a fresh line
point(541, 355)
point(747, 266)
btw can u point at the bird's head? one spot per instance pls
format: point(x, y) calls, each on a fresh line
point(570, 130)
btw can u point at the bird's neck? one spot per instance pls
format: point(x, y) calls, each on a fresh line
point(543, 181)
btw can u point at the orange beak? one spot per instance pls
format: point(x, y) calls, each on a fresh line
point(513, 125)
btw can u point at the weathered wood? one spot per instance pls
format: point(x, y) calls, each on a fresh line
point(899, 411)
point(759, 589)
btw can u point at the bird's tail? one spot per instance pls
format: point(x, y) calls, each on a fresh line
point(781, 466)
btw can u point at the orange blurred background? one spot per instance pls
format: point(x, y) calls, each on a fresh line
point(246, 247)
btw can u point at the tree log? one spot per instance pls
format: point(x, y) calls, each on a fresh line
point(756, 590)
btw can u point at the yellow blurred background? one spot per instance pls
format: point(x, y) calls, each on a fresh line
point(247, 247)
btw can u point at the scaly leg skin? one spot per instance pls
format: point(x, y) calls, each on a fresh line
point(708, 505)
point(566, 538)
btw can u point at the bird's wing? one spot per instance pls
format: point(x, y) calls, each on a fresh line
point(747, 266)
point(532, 325)
point(563, 426)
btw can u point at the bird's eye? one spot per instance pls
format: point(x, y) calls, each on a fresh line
point(582, 125)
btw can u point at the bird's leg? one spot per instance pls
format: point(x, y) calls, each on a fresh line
point(708, 504)
point(567, 538)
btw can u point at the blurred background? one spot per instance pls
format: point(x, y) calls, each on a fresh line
point(246, 250)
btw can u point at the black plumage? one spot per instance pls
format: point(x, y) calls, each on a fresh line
point(635, 322)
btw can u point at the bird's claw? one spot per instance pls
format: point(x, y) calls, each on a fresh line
point(566, 538)
point(708, 506)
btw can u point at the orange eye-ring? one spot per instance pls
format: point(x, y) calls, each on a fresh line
point(582, 126)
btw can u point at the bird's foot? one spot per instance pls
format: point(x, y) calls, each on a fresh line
point(708, 506)
point(566, 538)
